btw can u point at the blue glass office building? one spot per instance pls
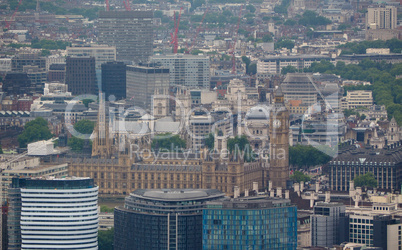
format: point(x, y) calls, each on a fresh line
point(253, 223)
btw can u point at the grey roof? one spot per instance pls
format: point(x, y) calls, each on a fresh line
point(131, 127)
point(259, 112)
point(176, 194)
point(164, 126)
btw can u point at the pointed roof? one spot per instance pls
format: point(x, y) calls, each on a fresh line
point(278, 91)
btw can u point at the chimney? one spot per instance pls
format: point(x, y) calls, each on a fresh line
point(272, 193)
point(286, 194)
point(255, 186)
point(328, 196)
point(269, 185)
point(246, 193)
point(279, 192)
point(351, 186)
point(296, 188)
point(302, 186)
point(236, 192)
point(317, 187)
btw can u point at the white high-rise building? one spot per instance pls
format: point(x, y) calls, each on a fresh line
point(381, 17)
point(191, 71)
point(102, 53)
point(53, 213)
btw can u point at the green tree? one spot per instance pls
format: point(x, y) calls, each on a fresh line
point(210, 141)
point(288, 69)
point(35, 130)
point(298, 176)
point(366, 180)
point(168, 142)
point(84, 126)
point(106, 209)
point(267, 38)
point(301, 156)
point(250, 8)
point(311, 18)
point(290, 22)
point(1, 149)
point(252, 69)
point(76, 144)
point(86, 102)
point(105, 239)
point(285, 43)
point(45, 52)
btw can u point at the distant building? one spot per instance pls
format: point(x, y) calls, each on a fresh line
point(37, 76)
point(191, 71)
point(250, 223)
point(102, 53)
point(74, 226)
point(114, 80)
point(172, 221)
point(381, 17)
point(81, 75)
point(357, 99)
point(143, 81)
point(130, 31)
point(275, 64)
point(57, 73)
point(329, 224)
point(20, 60)
point(18, 83)
point(200, 126)
point(301, 87)
point(394, 234)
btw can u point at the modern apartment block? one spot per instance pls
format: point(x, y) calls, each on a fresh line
point(357, 99)
point(191, 71)
point(329, 225)
point(131, 32)
point(20, 60)
point(102, 53)
point(250, 223)
point(143, 80)
point(18, 83)
point(114, 80)
point(80, 75)
point(275, 64)
point(53, 213)
point(162, 219)
point(381, 17)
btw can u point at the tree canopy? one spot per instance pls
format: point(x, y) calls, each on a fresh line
point(83, 127)
point(311, 18)
point(168, 142)
point(105, 239)
point(298, 176)
point(210, 141)
point(394, 45)
point(284, 43)
point(366, 180)
point(35, 130)
point(302, 156)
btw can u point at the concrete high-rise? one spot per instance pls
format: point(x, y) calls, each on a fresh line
point(329, 225)
point(102, 53)
point(114, 80)
point(81, 75)
point(130, 31)
point(53, 214)
point(143, 80)
point(381, 18)
point(186, 70)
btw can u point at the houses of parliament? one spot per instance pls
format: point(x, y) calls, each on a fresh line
point(117, 170)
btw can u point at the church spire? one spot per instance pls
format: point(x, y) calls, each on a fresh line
point(101, 144)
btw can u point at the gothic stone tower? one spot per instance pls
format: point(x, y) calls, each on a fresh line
point(279, 141)
point(102, 143)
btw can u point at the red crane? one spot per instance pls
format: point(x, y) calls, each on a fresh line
point(127, 5)
point(12, 17)
point(234, 43)
point(174, 38)
point(107, 5)
point(188, 50)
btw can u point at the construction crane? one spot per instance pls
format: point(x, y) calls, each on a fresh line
point(107, 5)
point(234, 43)
point(127, 5)
point(188, 50)
point(174, 38)
point(8, 23)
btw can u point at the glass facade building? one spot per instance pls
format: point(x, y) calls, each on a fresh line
point(255, 223)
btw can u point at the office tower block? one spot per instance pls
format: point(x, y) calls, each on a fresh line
point(329, 225)
point(53, 213)
point(18, 83)
point(102, 53)
point(143, 80)
point(381, 17)
point(186, 70)
point(162, 219)
point(114, 80)
point(81, 75)
point(57, 73)
point(250, 223)
point(20, 60)
point(130, 31)
point(38, 77)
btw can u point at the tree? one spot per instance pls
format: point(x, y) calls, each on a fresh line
point(267, 38)
point(210, 141)
point(35, 130)
point(301, 156)
point(168, 142)
point(84, 126)
point(105, 239)
point(240, 146)
point(311, 18)
point(252, 69)
point(362, 117)
point(106, 209)
point(86, 102)
point(288, 69)
point(298, 176)
point(285, 43)
point(1, 149)
point(76, 144)
point(366, 180)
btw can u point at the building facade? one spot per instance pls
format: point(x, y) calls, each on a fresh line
point(266, 223)
point(274, 65)
point(143, 81)
point(114, 80)
point(381, 18)
point(329, 224)
point(20, 60)
point(131, 32)
point(191, 71)
point(357, 99)
point(18, 83)
point(80, 75)
point(173, 221)
point(101, 53)
point(33, 223)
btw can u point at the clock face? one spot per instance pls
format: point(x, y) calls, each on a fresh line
point(276, 123)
